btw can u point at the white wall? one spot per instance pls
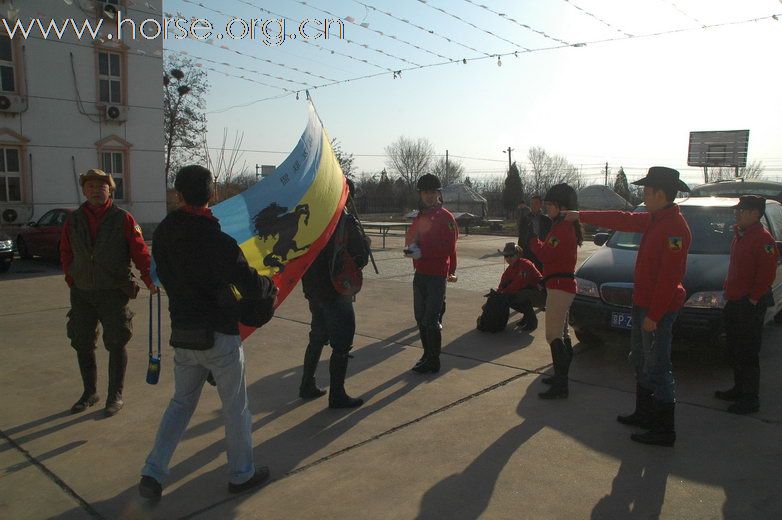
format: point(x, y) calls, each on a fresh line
point(61, 138)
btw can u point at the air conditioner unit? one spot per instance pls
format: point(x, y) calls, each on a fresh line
point(107, 9)
point(115, 113)
point(14, 213)
point(11, 104)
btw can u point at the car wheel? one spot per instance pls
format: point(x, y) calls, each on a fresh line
point(587, 338)
point(21, 246)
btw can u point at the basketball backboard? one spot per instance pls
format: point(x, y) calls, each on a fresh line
point(718, 148)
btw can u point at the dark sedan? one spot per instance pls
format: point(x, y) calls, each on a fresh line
point(42, 238)
point(6, 252)
point(605, 280)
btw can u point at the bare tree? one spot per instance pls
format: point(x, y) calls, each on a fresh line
point(345, 159)
point(753, 170)
point(224, 163)
point(451, 175)
point(547, 170)
point(184, 122)
point(409, 159)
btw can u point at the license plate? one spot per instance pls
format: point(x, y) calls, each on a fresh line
point(621, 320)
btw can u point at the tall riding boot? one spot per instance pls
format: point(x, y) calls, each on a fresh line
point(644, 409)
point(118, 361)
point(89, 378)
point(734, 393)
point(338, 368)
point(434, 339)
point(663, 431)
point(748, 401)
point(309, 389)
point(562, 356)
point(550, 380)
point(424, 344)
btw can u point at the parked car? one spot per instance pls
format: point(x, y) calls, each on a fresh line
point(603, 301)
point(6, 252)
point(738, 187)
point(42, 238)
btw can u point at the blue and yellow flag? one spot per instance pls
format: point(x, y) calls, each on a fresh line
point(282, 222)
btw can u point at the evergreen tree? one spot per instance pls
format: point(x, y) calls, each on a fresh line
point(513, 191)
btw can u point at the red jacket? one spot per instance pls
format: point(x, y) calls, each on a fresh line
point(138, 248)
point(435, 231)
point(520, 274)
point(558, 253)
point(662, 255)
point(753, 263)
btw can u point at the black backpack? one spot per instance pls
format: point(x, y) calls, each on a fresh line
point(495, 313)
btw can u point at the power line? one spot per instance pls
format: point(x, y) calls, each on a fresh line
point(523, 25)
point(679, 9)
point(597, 18)
point(455, 17)
point(428, 31)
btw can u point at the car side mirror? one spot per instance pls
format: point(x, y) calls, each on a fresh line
point(601, 238)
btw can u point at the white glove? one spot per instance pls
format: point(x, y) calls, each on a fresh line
point(412, 251)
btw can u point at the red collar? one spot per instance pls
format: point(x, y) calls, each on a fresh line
point(754, 228)
point(665, 212)
point(97, 211)
point(201, 212)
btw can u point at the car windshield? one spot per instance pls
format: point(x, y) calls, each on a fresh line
point(711, 228)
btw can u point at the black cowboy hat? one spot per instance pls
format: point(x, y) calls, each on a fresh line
point(662, 177)
point(751, 202)
point(510, 249)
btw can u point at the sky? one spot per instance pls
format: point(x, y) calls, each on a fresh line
point(626, 95)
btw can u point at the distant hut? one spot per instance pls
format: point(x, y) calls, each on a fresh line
point(599, 197)
point(460, 198)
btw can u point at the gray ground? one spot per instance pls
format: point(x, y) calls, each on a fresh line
point(473, 441)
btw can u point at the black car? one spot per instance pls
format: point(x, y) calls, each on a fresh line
point(6, 252)
point(603, 301)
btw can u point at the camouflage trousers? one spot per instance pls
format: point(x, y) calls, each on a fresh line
point(109, 307)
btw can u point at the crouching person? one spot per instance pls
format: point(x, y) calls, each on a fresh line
point(202, 269)
point(521, 283)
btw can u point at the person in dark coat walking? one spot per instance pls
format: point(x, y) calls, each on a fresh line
point(532, 222)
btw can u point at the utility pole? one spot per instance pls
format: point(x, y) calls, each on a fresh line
point(257, 168)
point(705, 174)
point(508, 151)
point(606, 174)
point(446, 164)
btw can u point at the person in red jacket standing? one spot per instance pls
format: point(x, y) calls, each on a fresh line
point(521, 283)
point(431, 243)
point(97, 244)
point(753, 266)
point(558, 252)
point(658, 295)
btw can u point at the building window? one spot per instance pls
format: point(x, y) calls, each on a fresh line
point(10, 176)
point(7, 80)
point(114, 163)
point(110, 77)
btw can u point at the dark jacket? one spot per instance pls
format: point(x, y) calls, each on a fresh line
point(103, 263)
point(527, 231)
point(197, 263)
point(316, 282)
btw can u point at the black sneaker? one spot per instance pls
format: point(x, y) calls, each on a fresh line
point(744, 406)
point(733, 394)
point(150, 488)
point(84, 402)
point(260, 477)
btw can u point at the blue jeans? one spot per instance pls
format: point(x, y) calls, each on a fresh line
point(226, 362)
point(650, 354)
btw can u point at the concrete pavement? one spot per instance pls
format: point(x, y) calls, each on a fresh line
point(473, 441)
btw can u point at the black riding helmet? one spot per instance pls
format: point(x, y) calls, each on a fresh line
point(564, 195)
point(428, 182)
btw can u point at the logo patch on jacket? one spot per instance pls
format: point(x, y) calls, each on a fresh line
point(137, 228)
point(769, 248)
point(554, 241)
point(450, 225)
point(675, 243)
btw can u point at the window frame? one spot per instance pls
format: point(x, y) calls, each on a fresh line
point(122, 51)
point(16, 64)
point(13, 140)
point(114, 144)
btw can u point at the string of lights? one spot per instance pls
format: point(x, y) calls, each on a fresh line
point(215, 62)
point(588, 13)
point(251, 56)
point(431, 32)
point(366, 27)
point(318, 46)
point(681, 11)
point(510, 19)
point(456, 17)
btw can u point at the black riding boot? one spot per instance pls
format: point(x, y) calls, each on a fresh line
point(562, 356)
point(663, 431)
point(748, 400)
point(734, 393)
point(644, 410)
point(424, 344)
point(118, 361)
point(89, 378)
point(338, 368)
point(530, 321)
point(308, 388)
point(550, 380)
point(434, 339)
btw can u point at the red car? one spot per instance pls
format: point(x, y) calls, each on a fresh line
point(42, 238)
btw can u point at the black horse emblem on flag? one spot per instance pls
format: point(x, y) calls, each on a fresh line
point(275, 220)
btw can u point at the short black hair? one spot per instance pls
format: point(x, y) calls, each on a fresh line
point(194, 182)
